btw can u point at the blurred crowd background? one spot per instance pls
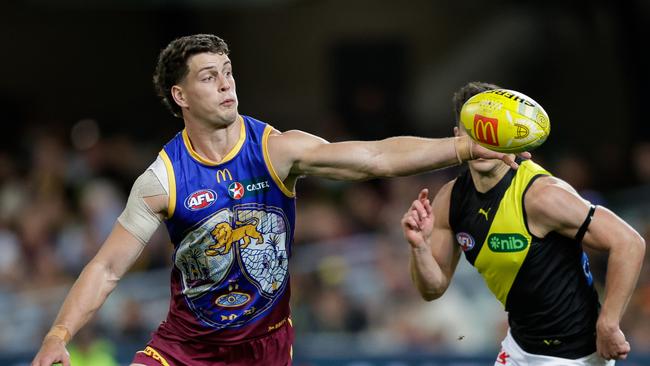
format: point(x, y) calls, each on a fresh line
point(81, 122)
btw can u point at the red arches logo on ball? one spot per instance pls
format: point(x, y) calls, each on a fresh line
point(200, 199)
point(486, 130)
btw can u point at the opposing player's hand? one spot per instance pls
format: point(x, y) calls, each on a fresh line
point(479, 151)
point(52, 351)
point(417, 222)
point(611, 343)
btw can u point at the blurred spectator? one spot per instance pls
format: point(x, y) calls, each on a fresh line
point(10, 260)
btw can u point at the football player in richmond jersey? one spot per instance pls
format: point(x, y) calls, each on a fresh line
point(524, 230)
point(224, 187)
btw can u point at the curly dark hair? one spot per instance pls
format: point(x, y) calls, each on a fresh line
point(467, 91)
point(172, 64)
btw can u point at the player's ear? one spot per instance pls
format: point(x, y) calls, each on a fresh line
point(179, 96)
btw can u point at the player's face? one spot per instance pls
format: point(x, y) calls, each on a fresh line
point(209, 89)
point(481, 166)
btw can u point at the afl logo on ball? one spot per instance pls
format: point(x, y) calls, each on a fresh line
point(200, 199)
point(465, 240)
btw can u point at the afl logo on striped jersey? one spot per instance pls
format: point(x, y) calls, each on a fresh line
point(465, 240)
point(200, 199)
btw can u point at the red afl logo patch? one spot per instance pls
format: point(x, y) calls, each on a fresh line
point(465, 240)
point(200, 199)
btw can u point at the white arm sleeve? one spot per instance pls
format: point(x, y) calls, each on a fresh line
point(158, 168)
point(138, 218)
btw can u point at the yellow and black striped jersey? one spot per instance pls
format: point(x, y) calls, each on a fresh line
point(544, 283)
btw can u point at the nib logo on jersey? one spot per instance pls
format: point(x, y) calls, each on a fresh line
point(200, 199)
point(507, 243)
point(255, 186)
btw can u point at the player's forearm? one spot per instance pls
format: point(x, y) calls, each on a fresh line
point(86, 296)
point(426, 274)
point(400, 156)
point(623, 268)
point(391, 157)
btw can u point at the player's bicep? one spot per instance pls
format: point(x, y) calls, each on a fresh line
point(606, 229)
point(349, 160)
point(299, 153)
point(553, 205)
point(118, 253)
point(146, 207)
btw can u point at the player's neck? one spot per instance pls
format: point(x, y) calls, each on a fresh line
point(484, 181)
point(213, 142)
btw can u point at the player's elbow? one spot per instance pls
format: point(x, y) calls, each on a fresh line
point(378, 164)
point(104, 273)
point(384, 169)
point(631, 245)
point(431, 295)
point(430, 285)
point(371, 170)
point(638, 243)
point(432, 292)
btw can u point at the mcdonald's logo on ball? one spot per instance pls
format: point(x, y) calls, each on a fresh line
point(505, 120)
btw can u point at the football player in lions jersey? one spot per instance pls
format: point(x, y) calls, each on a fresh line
point(224, 187)
point(524, 232)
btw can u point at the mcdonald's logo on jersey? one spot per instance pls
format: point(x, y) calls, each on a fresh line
point(222, 174)
point(486, 129)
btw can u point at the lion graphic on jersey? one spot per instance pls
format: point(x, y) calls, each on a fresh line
point(225, 236)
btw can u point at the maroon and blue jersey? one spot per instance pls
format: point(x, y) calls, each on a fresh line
point(232, 224)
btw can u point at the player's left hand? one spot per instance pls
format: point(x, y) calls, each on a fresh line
point(611, 343)
point(417, 222)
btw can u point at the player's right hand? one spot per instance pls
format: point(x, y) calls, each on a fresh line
point(479, 152)
point(611, 343)
point(417, 222)
point(52, 351)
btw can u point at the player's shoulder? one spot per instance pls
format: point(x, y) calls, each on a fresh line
point(442, 203)
point(293, 143)
point(531, 168)
point(548, 191)
point(443, 196)
point(154, 180)
point(294, 135)
point(447, 187)
point(548, 184)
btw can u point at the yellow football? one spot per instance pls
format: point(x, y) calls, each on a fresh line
point(505, 120)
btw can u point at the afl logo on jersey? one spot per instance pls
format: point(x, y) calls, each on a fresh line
point(200, 199)
point(465, 240)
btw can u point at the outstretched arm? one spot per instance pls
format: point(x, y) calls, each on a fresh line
point(95, 283)
point(553, 205)
point(100, 276)
point(299, 153)
point(434, 255)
